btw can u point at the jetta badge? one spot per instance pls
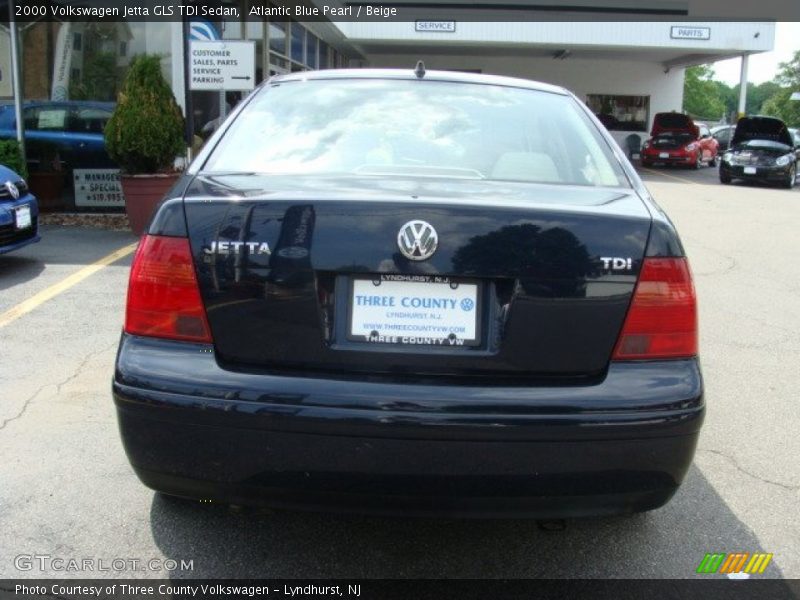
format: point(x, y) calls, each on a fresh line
point(12, 190)
point(417, 240)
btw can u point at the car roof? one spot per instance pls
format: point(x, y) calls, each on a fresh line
point(410, 75)
point(77, 103)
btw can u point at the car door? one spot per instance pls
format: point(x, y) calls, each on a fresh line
point(723, 137)
point(85, 136)
point(45, 136)
point(708, 144)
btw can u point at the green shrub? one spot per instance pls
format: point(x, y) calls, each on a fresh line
point(145, 133)
point(11, 157)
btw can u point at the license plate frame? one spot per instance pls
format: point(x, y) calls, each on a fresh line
point(440, 287)
point(22, 217)
point(750, 171)
point(663, 155)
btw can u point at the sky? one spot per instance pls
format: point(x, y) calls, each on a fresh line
point(763, 67)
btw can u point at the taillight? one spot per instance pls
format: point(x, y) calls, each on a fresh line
point(662, 318)
point(163, 295)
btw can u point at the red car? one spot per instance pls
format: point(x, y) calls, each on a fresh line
point(677, 140)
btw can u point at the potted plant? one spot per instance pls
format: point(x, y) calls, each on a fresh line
point(46, 178)
point(145, 136)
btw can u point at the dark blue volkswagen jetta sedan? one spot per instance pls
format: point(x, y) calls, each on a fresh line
point(400, 291)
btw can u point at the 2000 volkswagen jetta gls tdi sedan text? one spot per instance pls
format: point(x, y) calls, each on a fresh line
point(414, 292)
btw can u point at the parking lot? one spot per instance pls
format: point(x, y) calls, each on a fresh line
point(67, 490)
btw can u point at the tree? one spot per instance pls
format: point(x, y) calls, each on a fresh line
point(757, 95)
point(780, 104)
point(789, 74)
point(701, 95)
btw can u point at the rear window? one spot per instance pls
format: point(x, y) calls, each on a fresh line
point(416, 129)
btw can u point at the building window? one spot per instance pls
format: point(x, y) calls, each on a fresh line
point(298, 42)
point(311, 50)
point(277, 37)
point(123, 48)
point(77, 42)
point(621, 113)
point(323, 55)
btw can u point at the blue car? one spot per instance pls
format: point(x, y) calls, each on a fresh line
point(19, 212)
point(73, 128)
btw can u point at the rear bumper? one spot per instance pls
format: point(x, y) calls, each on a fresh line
point(195, 430)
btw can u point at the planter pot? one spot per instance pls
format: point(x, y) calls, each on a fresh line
point(48, 189)
point(143, 193)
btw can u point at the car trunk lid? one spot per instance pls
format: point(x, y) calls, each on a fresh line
point(551, 270)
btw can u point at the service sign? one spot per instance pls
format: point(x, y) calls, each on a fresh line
point(435, 26)
point(98, 188)
point(414, 310)
point(222, 66)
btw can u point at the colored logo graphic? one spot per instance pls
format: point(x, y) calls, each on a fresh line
point(736, 562)
point(467, 305)
point(201, 30)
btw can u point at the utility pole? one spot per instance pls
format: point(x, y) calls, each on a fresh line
point(16, 80)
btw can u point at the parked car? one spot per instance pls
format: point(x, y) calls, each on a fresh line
point(677, 140)
point(796, 138)
point(762, 149)
point(471, 308)
point(19, 212)
point(723, 135)
point(72, 129)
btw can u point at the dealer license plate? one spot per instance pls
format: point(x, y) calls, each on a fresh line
point(750, 170)
point(663, 155)
point(414, 310)
point(22, 217)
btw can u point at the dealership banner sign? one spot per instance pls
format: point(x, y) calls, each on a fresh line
point(98, 188)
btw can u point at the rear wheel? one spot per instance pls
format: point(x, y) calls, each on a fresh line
point(724, 177)
point(699, 162)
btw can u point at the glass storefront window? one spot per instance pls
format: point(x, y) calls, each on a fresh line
point(621, 113)
point(84, 63)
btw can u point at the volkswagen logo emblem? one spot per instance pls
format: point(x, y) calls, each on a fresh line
point(12, 190)
point(417, 240)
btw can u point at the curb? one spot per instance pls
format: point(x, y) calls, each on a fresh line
point(110, 221)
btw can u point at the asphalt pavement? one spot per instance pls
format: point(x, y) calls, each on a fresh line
point(67, 490)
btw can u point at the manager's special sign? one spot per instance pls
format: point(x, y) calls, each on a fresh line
point(98, 188)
